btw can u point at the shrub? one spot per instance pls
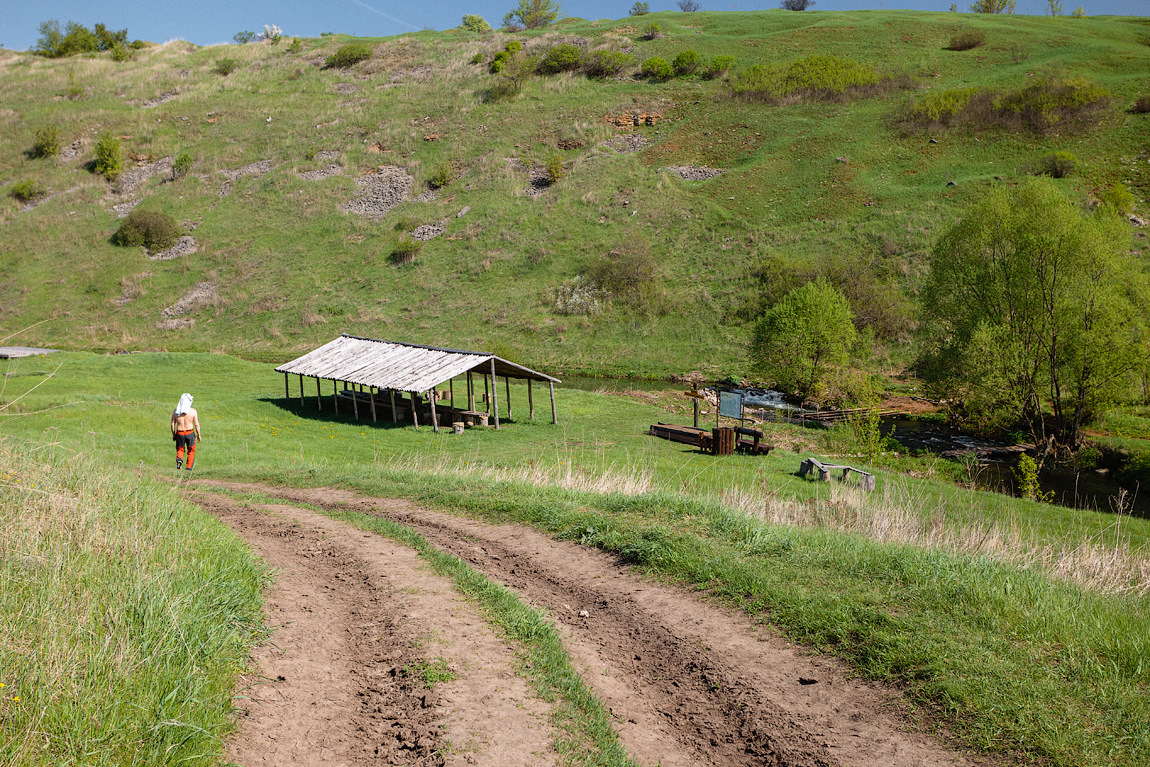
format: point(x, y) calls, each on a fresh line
point(514, 47)
point(478, 58)
point(651, 31)
point(504, 89)
point(499, 62)
point(639, 9)
point(273, 34)
point(182, 165)
point(473, 23)
point(26, 191)
point(688, 6)
point(1117, 198)
point(404, 224)
point(561, 58)
point(657, 68)
point(579, 295)
point(120, 53)
point(1056, 165)
point(348, 54)
point(443, 175)
point(992, 6)
point(796, 5)
point(47, 142)
point(531, 14)
point(966, 40)
point(631, 277)
point(406, 250)
point(296, 45)
point(226, 66)
point(1079, 13)
point(720, 65)
point(109, 156)
point(815, 77)
point(685, 63)
point(75, 90)
point(154, 230)
point(1052, 97)
point(941, 107)
point(244, 37)
point(1141, 105)
point(554, 169)
point(606, 63)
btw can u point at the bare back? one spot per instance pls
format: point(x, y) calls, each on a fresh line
point(189, 421)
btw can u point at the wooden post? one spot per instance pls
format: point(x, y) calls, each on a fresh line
point(335, 395)
point(451, 390)
point(494, 393)
point(554, 417)
point(507, 388)
point(530, 402)
point(486, 391)
point(393, 418)
point(355, 401)
point(696, 412)
point(470, 392)
point(318, 397)
point(414, 410)
point(301, 389)
point(371, 393)
point(287, 391)
point(434, 395)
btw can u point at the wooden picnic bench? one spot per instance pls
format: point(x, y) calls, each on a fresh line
point(809, 465)
point(754, 445)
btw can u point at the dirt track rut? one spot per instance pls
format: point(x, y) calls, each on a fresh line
point(687, 682)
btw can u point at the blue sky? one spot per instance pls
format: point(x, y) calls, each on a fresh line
point(207, 22)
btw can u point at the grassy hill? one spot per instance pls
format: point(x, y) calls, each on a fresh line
point(841, 187)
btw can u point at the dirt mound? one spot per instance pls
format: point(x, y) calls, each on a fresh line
point(184, 246)
point(382, 191)
point(693, 172)
point(202, 294)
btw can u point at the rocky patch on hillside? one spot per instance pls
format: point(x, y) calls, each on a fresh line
point(184, 246)
point(200, 295)
point(255, 169)
point(381, 192)
point(128, 181)
point(693, 172)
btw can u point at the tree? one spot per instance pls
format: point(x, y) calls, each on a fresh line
point(992, 6)
point(76, 38)
point(639, 9)
point(109, 40)
point(1032, 312)
point(797, 5)
point(532, 14)
point(473, 23)
point(688, 6)
point(802, 337)
point(1054, 7)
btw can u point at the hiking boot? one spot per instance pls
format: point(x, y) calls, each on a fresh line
point(179, 463)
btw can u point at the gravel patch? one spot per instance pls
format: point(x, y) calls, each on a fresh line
point(133, 177)
point(183, 324)
point(347, 88)
point(427, 196)
point(124, 208)
point(163, 98)
point(382, 191)
point(327, 154)
point(202, 294)
point(536, 176)
point(185, 246)
point(693, 172)
point(255, 169)
point(427, 231)
point(328, 170)
point(72, 151)
point(628, 142)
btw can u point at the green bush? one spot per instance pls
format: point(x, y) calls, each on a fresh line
point(685, 63)
point(182, 165)
point(1056, 165)
point(26, 191)
point(478, 58)
point(226, 66)
point(404, 224)
point(554, 169)
point(154, 230)
point(606, 63)
point(473, 23)
point(815, 77)
point(1118, 198)
point(348, 54)
point(48, 142)
point(499, 62)
point(657, 68)
point(109, 156)
point(406, 250)
point(966, 40)
point(720, 65)
point(1052, 97)
point(443, 175)
point(296, 45)
point(630, 277)
point(121, 53)
point(1141, 105)
point(941, 106)
point(639, 9)
point(651, 31)
point(561, 58)
point(514, 47)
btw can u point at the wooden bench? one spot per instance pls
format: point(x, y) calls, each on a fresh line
point(754, 445)
point(809, 465)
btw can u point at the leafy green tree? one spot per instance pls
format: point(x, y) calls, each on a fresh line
point(799, 340)
point(109, 40)
point(532, 14)
point(75, 38)
point(1033, 312)
point(473, 23)
point(639, 9)
point(992, 6)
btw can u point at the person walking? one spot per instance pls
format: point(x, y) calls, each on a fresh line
point(185, 430)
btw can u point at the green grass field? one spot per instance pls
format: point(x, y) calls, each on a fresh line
point(1021, 627)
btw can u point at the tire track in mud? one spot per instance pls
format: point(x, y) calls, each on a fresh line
point(355, 616)
point(687, 681)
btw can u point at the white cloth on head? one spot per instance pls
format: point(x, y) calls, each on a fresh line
point(185, 404)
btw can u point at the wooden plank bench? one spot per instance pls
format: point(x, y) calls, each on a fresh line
point(754, 445)
point(809, 465)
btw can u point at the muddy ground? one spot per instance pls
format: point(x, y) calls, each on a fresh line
point(358, 619)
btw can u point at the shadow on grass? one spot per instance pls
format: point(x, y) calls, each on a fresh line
point(309, 411)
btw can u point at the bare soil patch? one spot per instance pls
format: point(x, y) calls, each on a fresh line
point(687, 681)
point(628, 142)
point(355, 618)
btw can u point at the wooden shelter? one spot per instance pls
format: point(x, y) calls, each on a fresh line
point(403, 381)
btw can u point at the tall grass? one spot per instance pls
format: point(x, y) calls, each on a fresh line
point(127, 616)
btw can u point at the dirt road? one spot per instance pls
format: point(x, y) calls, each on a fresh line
point(361, 622)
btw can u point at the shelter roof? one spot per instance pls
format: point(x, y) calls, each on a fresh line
point(399, 366)
point(11, 352)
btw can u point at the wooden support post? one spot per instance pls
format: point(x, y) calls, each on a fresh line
point(494, 393)
point(355, 401)
point(414, 410)
point(451, 390)
point(371, 393)
point(696, 412)
point(486, 391)
point(530, 402)
point(287, 391)
point(335, 395)
point(318, 397)
point(434, 395)
point(554, 417)
point(470, 392)
point(507, 388)
point(301, 389)
point(393, 418)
